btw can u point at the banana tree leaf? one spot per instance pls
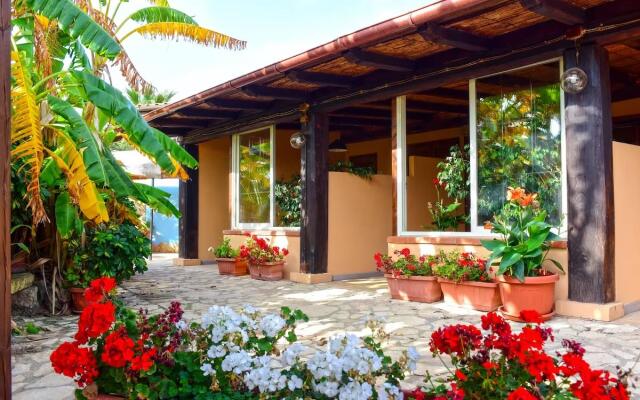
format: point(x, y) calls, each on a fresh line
point(117, 106)
point(77, 24)
point(80, 60)
point(84, 139)
point(158, 200)
point(119, 181)
point(67, 219)
point(51, 174)
point(149, 15)
point(177, 152)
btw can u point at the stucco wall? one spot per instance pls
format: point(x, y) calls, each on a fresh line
point(420, 190)
point(287, 158)
point(213, 194)
point(626, 186)
point(359, 221)
point(288, 239)
point(381, 147)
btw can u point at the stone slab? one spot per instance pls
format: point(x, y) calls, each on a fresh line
point(599, 312)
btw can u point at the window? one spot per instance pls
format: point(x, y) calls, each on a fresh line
point(518, 131)
point(253, 172)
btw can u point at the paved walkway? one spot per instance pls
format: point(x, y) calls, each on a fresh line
point(332, 307)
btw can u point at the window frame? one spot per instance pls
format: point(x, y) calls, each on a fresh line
point(476, 229)
point(235, 175)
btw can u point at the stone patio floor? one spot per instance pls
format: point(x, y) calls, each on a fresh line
point(332, 307)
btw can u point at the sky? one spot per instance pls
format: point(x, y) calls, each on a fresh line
point(273, 29)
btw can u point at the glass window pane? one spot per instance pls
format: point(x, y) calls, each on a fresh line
point(519, 138)
point(254, 192)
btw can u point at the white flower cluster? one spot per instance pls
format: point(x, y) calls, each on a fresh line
point(346, 369)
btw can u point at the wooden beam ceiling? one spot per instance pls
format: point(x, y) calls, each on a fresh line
point(198, 113)
point(237, 104)
point(275, 93)
point(380, 61)
point(322, 79)
point(179, 123)
point(454, 38)
point(557, 10)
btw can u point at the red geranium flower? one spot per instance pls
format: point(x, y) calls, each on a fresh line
point(521, 394)
point(75, 362)
point(531, 316)
point(144, 361)
point(118, 349)
point(95, 320)
point(405, 252)
point(98, 288)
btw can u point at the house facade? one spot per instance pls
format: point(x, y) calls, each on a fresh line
point(543, 94)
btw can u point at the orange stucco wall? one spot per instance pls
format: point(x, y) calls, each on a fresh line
point(287, 158)
point(626, 186)
point(213, 194)
point(420, 191)
point(359, 221)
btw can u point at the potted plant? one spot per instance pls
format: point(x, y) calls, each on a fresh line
point(266, 262)
point(465, 282)
point(495, 362)
point(409, 277)
point(519, 254)
point(228, 261)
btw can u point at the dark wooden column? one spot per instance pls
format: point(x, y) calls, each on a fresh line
point(590, 180)
point(314, 229)
point(188, 204)
point(395, 152)
point(5, 198)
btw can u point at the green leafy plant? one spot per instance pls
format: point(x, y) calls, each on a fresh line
point(404, 263)
point(445, 216)
point(224, 250)
point(114, 250)
point(525, 237)
point(460, 267)
point(288, 196)
point(454, 173)
point(365, 173)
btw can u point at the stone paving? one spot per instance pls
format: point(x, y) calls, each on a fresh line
point(332, 308)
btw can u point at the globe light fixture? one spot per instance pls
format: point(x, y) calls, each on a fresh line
point(574, 80)
point(297, 140)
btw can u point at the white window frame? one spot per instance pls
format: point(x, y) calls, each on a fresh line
point(476, 229)
point(235, 176)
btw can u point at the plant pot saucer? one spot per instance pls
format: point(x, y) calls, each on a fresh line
point(544, 317)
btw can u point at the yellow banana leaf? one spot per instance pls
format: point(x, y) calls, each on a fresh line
point(82, 189)
point(179, 172)
point(26, 132)
point(188, 32)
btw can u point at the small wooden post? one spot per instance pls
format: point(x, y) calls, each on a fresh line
point(590, 180)
point(188, 204)
point(5, 197)
point(314, 170)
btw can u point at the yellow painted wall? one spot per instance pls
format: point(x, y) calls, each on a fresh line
point(420, 190)
point(381, 147)
point(287, 158)
point(282, 239)
point(213, 194)
point(626, 107)
point(626, 187)
point(359, 221)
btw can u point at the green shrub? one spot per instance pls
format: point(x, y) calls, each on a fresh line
point(224, 250)
point(115, 250)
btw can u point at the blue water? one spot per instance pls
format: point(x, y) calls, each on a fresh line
point(165, 229)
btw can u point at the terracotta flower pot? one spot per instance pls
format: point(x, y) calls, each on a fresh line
point(535, 293)
point(232, 266)
point(78, 302)
point(270, 271)
point(423, 289)
point(483, 296)
point(108, 397)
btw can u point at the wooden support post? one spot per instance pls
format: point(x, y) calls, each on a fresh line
point(395, 153)
point(314, 170)
point(5, 198)
point(188, 241)
point(590, 180)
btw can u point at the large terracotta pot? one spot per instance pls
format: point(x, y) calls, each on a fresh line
point(271, 271)
point(483, 296)
point(78, 302)
point(423, 289)
point(232, 266)
point(535, 293)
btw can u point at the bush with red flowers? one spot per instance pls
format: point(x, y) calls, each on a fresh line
point(259, 251)
point(119, 351)
point(404, 263)
point(499, 363)
point(461, 267)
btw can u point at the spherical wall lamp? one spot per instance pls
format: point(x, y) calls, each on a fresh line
point(297, 140)
point(574, 80)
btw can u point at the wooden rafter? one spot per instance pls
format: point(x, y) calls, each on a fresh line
point(275, 93)
point(557, 10)
point(454, 38)
point(198, 113)
point(380, 61)
point(321, 79)
point(237, 104)
point(179, 123)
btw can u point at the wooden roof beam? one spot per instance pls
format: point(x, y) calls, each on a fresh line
point(322, 79)
point(178, 123)
point(192, 113)
point(427, 106)
point(454, 38)
point(237, 104)
point(557, 10)
point(379, 61)
point(275, 93)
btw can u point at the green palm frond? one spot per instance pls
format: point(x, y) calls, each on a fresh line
point(150, 15)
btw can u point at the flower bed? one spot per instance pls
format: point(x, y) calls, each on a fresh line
point(409, 277)
point(249, 354)
point(266, 262)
